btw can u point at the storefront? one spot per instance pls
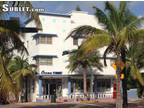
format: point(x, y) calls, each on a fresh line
point(72, 86)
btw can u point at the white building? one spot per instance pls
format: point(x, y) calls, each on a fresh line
point(45, 50)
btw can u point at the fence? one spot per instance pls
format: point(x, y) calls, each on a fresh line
point(99, 95)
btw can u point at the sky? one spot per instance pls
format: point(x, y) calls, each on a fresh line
point(65, 7)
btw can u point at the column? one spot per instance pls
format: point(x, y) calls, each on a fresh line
point(40, 87)
point(69, 86)
point(65, 87)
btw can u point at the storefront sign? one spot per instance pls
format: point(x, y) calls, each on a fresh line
point(50, 73)
point(46, 73)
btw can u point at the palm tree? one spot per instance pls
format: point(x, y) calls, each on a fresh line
point(135, 55)
point(27, 14)
point(76, 61)
point(6, 84)
point(21, 71)
point(120, 27)
point(10, 41)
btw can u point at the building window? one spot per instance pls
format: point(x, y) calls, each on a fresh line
point(103, 85)
point(45, 61)
point(75, 41)
point(44, 40)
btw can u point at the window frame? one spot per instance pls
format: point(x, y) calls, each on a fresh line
point(44, 40)
point(44, 61)
point(75, 41)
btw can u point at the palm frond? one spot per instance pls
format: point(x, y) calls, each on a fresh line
point(122, 8)
point(136, 74)
point(29, 14)
point(94, 42)
point(105, 21)
point(108, 50)
point(112, 12)
point(128, 33)
point(84, 32)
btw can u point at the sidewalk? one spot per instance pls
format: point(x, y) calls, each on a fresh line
point(84, 104)
point(96, 104)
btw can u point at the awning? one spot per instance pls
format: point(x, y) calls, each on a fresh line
point(45, 56)
point(44, 34)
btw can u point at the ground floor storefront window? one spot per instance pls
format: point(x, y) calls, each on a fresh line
point(77, 85)
point(52, 87)
point(73, 87)
point(103, 85)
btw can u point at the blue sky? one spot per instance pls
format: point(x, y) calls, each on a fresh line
point(65, 7)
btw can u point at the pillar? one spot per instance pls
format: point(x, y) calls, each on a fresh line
point(69, 86)
point(40, 87)
point(65, 87)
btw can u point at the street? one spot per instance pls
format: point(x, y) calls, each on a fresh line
point(58, 106)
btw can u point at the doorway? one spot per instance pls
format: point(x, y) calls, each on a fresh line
point(52, 89)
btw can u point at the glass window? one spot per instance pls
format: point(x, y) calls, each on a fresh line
point(75, 41)
point(49, 40)
point(45, 61)
point(103, 85)
point(44, 40)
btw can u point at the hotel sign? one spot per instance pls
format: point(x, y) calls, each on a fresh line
point(50, 73)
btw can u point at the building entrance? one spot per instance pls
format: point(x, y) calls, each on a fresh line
point(52, 89)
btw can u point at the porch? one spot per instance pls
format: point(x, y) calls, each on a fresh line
point(102, 88)
point(77, 97)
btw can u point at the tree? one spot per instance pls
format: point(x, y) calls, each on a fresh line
point(76, 61)
point(10, 41)
point(120, 27)
point(27, 14)
point(21, 71)
point(6, 83)
point(135, 54)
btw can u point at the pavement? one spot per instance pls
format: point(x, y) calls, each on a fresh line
point(70, 105)
point(45, 105)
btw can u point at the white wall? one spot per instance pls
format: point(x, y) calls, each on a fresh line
point(61, 26)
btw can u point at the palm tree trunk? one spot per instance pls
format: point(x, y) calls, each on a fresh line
point(85, 81)
point(124, 86)
point(118, 87)
point(26, 89)
point(124, 81)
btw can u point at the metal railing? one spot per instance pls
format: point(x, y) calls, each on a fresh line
point(99, 95)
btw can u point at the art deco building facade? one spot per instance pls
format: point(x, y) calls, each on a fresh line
point(45, 50)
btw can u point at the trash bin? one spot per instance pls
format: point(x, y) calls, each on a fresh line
point(53, 98)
